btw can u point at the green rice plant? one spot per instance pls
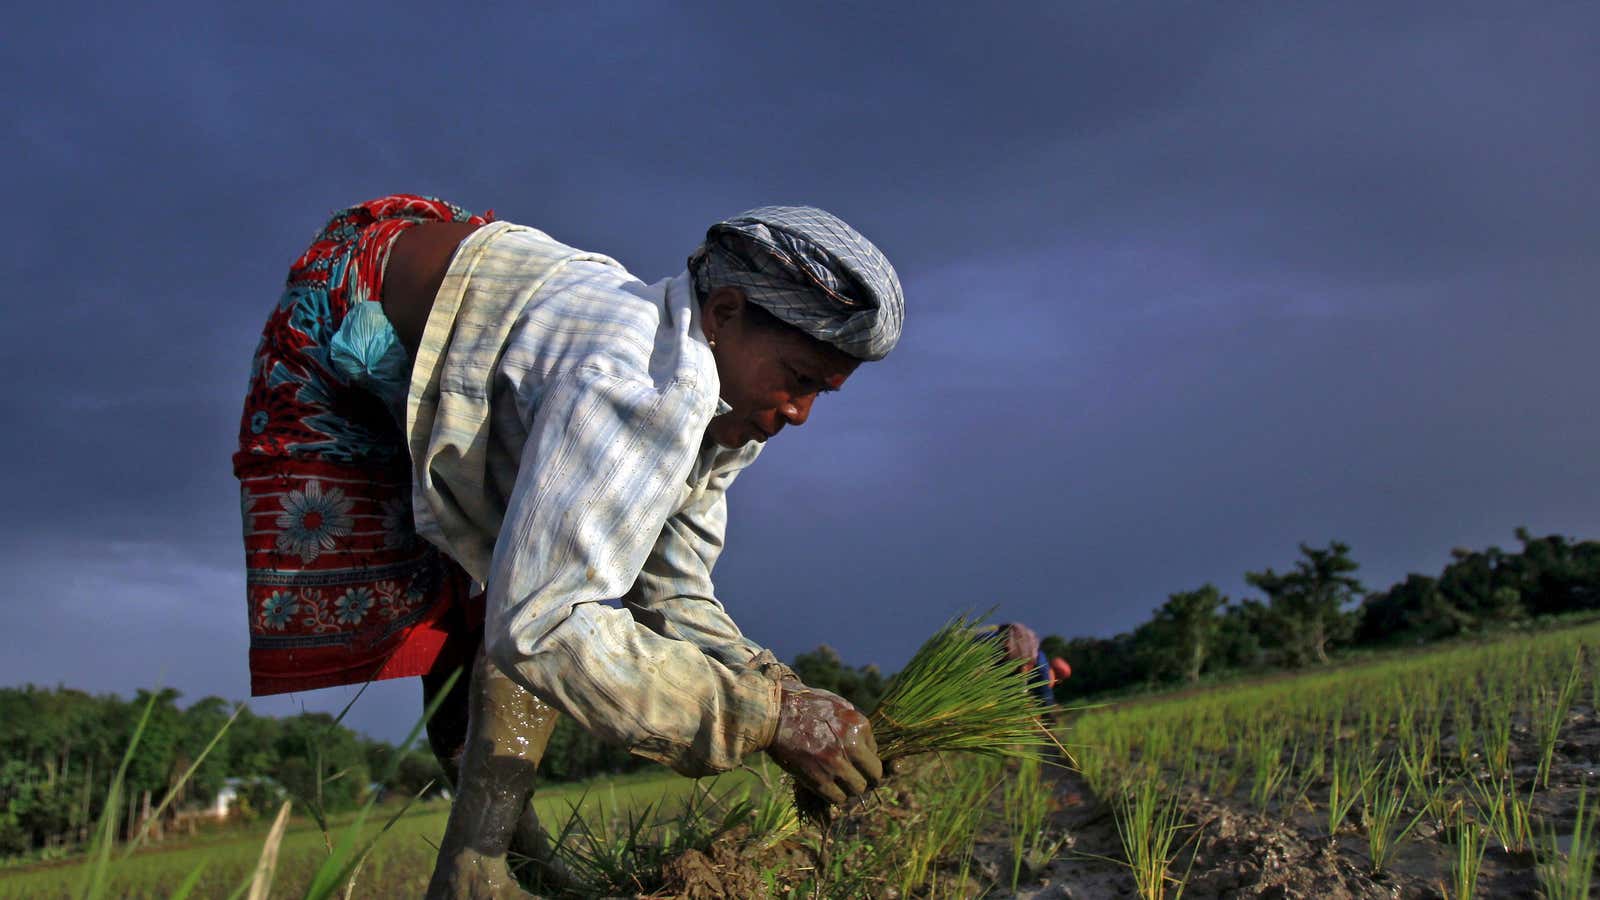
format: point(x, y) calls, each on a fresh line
point(1497, 735)
point(606, 850)
point(1270, 771)
point(772, 818)
point(1149, 818)
point(1347, 783)
point(1461, 723)
point(961, 694)
point(1553, 714)
point(1426, 781)
point(1467, 861)
point(947, 826)
point(1594, 691)
point(1505, 813)
point(1567, 876)
point(957, 694)
point(1317, 766)
point(1383, 803)
point(1027, 807)
point(1224, 780)
point(609, 852)
point(1406, 721)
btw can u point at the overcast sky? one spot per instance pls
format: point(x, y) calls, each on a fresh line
point(1186, 284)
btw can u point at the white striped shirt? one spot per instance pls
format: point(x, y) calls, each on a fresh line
point(556, 422)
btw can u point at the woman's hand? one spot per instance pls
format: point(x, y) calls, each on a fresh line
point(825, 743)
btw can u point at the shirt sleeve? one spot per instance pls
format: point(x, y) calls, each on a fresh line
point(674, 594)
point(604, 464)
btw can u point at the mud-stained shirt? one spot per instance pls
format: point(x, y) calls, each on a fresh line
point(556, 420)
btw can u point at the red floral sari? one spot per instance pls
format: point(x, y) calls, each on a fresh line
point(339, 587)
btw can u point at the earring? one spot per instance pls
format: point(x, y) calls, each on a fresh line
point(712, 342)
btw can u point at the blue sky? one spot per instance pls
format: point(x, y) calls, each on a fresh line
point(1187, 284)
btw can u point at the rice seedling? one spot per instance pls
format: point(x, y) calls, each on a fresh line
point(605, 849)
point(1594, 691)
point(1383, 804)
point(1467, 861)
point(772, 819)
point(1348, 780)
point(1567, 876)
point(1027, 806)
point(958, 693)
point(1426, 781)
point(945, 827)
point(1505, 813)
point(1552, 714)
point(1317, 766)
point(1461, 723)
point(1149, 818)
point(1497, 732)
point(1270, 771)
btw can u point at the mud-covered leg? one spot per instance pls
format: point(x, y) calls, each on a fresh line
point(507, 729)
point(447, 729)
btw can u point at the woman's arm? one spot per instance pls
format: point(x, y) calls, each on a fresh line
point(674, 594)
point(601, 472)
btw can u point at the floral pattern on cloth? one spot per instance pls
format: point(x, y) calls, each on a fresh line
point(339, 589)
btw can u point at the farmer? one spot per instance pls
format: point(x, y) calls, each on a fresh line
point(468, 445)
point(1020, 643)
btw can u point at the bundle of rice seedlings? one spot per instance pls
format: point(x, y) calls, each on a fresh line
point(959, 692)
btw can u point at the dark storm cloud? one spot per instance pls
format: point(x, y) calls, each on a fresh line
point(1188, 283)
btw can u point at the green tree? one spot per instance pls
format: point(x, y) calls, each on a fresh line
point(822, 668)
point(1241, 630)
point(201, 722)
point(1308, 605)
point(1184, 630)
point(1553, 574)
point(320, 763)
point(1098, 665)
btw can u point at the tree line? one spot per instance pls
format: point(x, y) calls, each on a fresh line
point(60, 748)
point(1319, 607)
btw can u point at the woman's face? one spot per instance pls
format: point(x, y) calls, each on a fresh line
point(771, 373)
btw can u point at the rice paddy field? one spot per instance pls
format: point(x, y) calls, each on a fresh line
point(1459, 772)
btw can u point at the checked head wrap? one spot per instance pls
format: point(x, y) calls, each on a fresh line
point(810, 270)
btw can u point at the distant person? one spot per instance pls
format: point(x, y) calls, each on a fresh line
point(1021, 643)
point(440, 401)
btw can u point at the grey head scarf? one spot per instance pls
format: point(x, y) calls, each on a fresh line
point(810, 270)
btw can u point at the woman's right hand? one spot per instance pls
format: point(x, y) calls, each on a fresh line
point(825, 743)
